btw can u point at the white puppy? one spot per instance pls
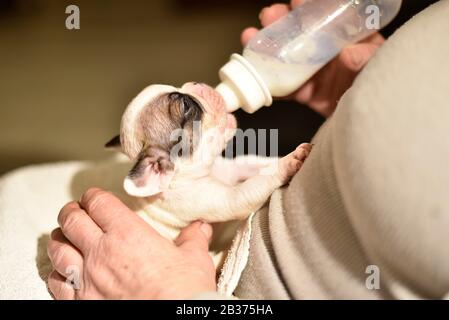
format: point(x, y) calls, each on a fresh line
point(176, 137)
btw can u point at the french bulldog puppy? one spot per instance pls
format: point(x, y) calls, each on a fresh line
point(176, 136)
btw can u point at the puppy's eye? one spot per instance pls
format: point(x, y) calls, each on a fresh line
point(190, 105)
point(186, 108)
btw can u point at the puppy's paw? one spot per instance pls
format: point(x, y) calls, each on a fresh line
point(291, 163)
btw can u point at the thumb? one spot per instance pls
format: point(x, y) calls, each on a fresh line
point(196, 236)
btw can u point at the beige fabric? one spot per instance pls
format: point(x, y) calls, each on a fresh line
point(304, 241)
point(375, 189)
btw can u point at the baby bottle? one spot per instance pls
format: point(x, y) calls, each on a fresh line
point(283, 56)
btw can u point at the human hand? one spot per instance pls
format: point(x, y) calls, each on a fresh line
point(119, 256)
point(326, 87)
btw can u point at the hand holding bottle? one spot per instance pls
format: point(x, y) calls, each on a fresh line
point(326, 87)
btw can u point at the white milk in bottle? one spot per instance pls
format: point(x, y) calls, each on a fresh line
point(283, 56)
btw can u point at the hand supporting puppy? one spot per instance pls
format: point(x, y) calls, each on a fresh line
point(119, 256)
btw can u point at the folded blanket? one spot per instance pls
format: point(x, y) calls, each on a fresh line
point(30, 200)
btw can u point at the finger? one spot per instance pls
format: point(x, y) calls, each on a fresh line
point(355, 57)
point(272, 13)
point(78, 227)
point(59, 288)
point(62, 254)
point(196, 236)
point(106, 209)
point(296, 3)
point(376, 38)
point(247, 34)
point(305, 93)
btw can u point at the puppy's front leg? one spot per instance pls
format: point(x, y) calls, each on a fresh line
point(289, 165)
point(250, 195)
point(234, 171)
point(213, 200)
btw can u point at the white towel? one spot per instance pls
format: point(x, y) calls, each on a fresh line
point(30, 200)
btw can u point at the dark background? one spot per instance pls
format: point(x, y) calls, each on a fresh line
point(62, 92)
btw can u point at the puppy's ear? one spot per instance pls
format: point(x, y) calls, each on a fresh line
point(150, 175)
point(114, 143)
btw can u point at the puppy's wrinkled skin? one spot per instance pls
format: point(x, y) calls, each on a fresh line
point(183, 177)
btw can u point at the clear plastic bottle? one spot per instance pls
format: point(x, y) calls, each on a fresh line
point(283, 56)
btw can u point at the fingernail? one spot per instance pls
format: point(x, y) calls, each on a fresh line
point(206, 229)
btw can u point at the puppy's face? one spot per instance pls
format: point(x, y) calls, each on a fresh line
point(164, 126)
